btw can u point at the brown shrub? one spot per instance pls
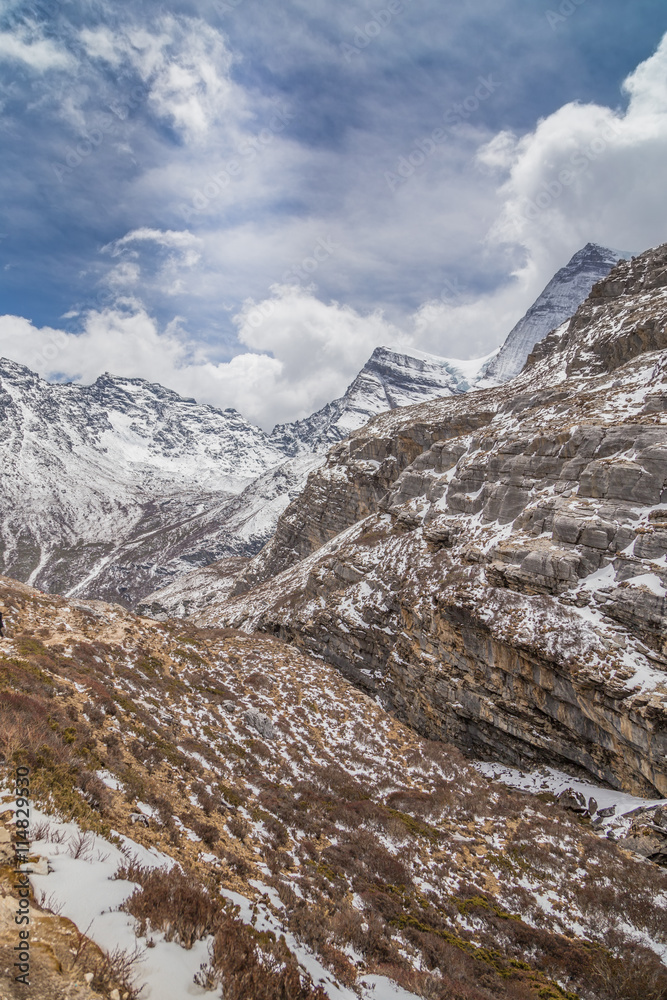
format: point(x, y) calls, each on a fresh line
point(238, 826)
point(95, 791)
point(255, 967)
point(173, 902)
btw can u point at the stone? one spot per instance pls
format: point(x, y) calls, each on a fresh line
point(260, 722)
point(573, 801)
point(606, 812)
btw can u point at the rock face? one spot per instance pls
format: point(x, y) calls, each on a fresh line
point(389, 379)
point(565, 292)
point(130, 486)
point(494, 566)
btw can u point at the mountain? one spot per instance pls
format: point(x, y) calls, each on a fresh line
point(130, 486)
point(560, 299)
point(390, 378)
point(219, 807)
point(492, 566)
point(104, 485)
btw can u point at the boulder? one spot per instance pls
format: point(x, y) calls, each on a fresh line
point(260, 722)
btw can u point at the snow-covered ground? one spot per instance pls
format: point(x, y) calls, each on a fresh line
point(549, 779)
point(85, 890)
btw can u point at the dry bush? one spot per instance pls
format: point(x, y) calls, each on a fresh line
point(238, 826)
point(627, 971)
point(96, 791)
point(94, 713)
point(259, 681)
point(254, 967)
point(117, 970)
point(412, 802)
point(172, 902)
point(208, 832)
point(362, 855)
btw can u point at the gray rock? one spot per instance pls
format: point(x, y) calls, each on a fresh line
point(573, 801)
point(261, 723)
point(606, 812)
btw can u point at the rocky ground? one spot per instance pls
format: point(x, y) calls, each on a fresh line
point(297, 806)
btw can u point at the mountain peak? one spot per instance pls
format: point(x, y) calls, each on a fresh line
point(563, 295)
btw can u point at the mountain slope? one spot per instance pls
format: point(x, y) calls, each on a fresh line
point(493, 566)
point(389, 379)
point(277, 833)
point(118, 463)
point(560, 299)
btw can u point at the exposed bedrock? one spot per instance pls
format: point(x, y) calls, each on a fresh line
point(494, 566)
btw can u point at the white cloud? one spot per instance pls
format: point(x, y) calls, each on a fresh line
point(184, 63)
point(183, 254)
point(588, 172)
point(172, 239)
point(28, 46)
point(315, 351)
point(319, 347)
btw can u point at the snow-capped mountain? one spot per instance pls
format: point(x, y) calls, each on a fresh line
point(129, 486)
point(389, 379)
point(91, 470)
point(561, 298)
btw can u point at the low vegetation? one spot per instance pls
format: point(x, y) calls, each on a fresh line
point(383, 853)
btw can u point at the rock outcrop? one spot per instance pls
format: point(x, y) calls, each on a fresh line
point(494, 566)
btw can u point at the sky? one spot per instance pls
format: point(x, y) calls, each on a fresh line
point(241, 200)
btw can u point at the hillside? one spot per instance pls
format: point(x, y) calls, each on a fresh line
point(278, 834)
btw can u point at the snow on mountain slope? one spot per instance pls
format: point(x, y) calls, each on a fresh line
point(389, 379)
point(560, 299)
point(129, 486)
point(88, 468)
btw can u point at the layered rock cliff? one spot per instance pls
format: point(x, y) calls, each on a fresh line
point(494, 566)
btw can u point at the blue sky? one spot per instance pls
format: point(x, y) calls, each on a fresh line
point(242, 199)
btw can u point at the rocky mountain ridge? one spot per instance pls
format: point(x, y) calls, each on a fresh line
point(130, 487)
point(557, 302)
point(494, 566)
point(389, 379)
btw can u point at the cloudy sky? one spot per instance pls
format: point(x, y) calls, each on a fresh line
point(241, 199)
